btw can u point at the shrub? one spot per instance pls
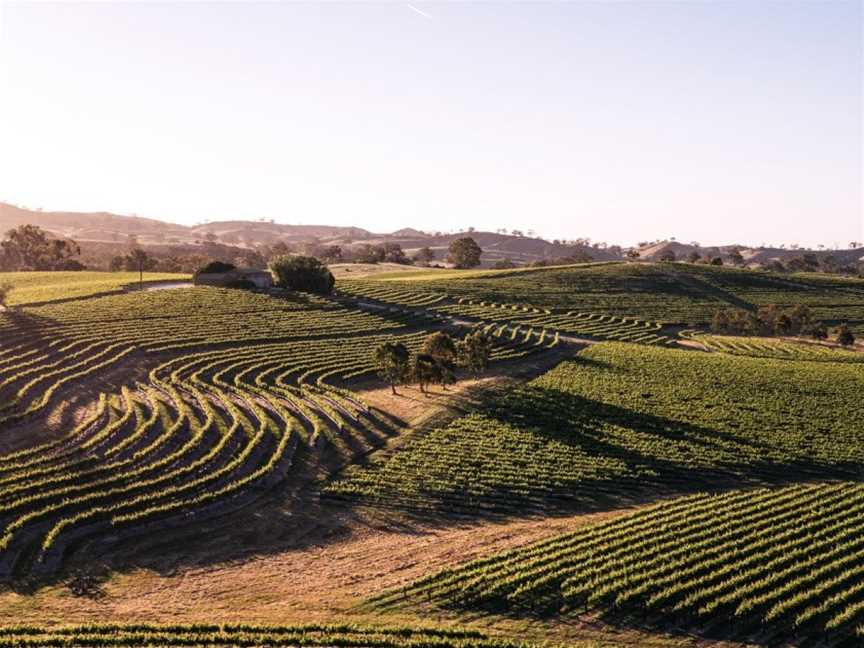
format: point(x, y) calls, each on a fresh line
point(844, 335)
point(216, 267)
point(306, 274)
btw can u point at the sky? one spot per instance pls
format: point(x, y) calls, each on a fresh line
point(715, 122)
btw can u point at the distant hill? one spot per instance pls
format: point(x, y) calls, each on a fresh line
point(753, 256)
point(103, 227)
point(107, 228)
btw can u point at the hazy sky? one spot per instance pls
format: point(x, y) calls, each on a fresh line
point(620, 121)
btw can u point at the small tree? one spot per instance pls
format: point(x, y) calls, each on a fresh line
point(802, 318)
point(819, 332)
point(720, 322)
point(440, 346)
point(717, 261)
point(306, 274)
point(464, 253)
point(425, 370)
point(735, 257)
point(473, 352)
point(139, 260)
point(844, 335)
point(693, 257)
point(668, 256)
point(783, 325)
point(394, 363)
point(424, 255)
point(5, 289)
point(216, 267)
point(633, 254)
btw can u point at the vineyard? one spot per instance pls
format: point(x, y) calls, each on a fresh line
point(760, 347)
point(773, 564)
point(37, 287)
point(621, 421)
point(665, 491)
point(202, 400)
point(497, 317)
point(327, 636)
point(663, 293)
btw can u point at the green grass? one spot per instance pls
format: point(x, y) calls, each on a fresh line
point(36, 287)
point(784, 563)
point(625, 420)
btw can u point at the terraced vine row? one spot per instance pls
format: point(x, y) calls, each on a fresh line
point(770, 562)
point(664, 292)
point(621, 422)
point(202, 634)
point(210, 428)
point(440, 306)
point(761, 347)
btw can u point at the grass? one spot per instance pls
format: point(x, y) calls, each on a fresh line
point(36, 287)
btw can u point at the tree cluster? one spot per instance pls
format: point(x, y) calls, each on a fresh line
point(436, 362)
point(766, 321)
point(28, 247)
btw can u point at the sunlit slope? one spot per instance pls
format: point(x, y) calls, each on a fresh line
point(662, 292)
point(35, 287)
point(625, 420)
point(777, 563)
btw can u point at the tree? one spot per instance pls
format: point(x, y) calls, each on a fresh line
point(424, 255)
point(369, 254)
point(844, 335)
point(464, 253)
point(331, 254)
point(442, 349)
point(27, 247)
point(393, 253)
point(5, 289)
point(783, 325)
point(633, 254)
point(216, 267)
point(735, 257)
point(717, 261)
point(693, 257)
point(819, 332)
point(473, 352)
point(802, 318)
point(394, 363)
point(668, 256)
point(425, 370)
point(138, 259)
point(306, 274)
point(440, 346)
point(720, 322)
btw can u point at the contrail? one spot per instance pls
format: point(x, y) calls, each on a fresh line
point(422, 13)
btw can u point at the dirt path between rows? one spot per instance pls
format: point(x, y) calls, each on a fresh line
point(316, 583)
